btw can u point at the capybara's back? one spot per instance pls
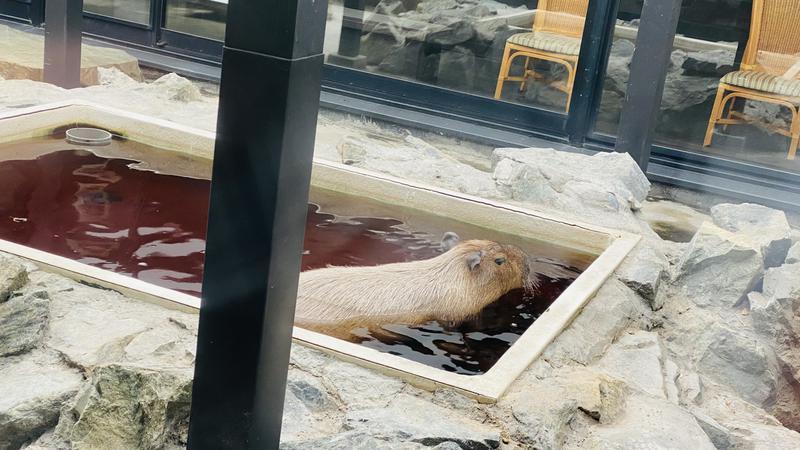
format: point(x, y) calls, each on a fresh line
point(453, 286)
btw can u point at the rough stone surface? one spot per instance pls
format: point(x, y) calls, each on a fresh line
point(310, 412)
point(650, 423)
point(559, 398)
point(92, 327)
point(129, 407)
point(610, 185)
point(613, 309)
point(718, 434)
point(764, 437)
point(642, 271)
point(638, 358)
point(409, 419)
point(362, 440)
point(416, 160)
point(783, 283)
point(350, 379)
point(22, 323)
point(12, 277)
point(719, 268)
point(23, 58)
point(775, 313)
point(768, 227)
point(690, 388)
point(794, 254)
point(738, 359)
point(34, 386)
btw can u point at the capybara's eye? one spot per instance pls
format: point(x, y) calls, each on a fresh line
point(499, 261)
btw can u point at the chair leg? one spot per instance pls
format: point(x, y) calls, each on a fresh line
point(571, 72)
point(716, 113)
point(501, 77)
point(524, 74)
point(795, 134)
point(731, 111)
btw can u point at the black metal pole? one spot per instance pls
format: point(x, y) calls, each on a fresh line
point(648, 71)
point(62, 43)
point(598, 34)
point(269, 99)
point(351, 29)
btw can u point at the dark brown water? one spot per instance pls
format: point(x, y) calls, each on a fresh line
point(102, 212)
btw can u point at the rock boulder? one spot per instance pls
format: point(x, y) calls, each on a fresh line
point(410, 419)
point(12, 276)
point(22, 322)
point(767, 227)
point(33, 388)
point(718, 268)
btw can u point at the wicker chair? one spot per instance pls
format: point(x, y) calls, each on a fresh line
point(555, 37)
point(769, 70)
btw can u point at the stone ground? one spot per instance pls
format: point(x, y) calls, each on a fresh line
point(692, 344)
point(22, 57)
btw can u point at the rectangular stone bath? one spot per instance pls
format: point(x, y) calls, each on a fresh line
point(609, 247)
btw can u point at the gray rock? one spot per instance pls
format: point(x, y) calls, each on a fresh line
point(356, 440)
point(33, 388)
point(12, 277)
point(129, 407)
point(775, 312)
point(649, 423)
point(767, 227)
point(690, 388)
point(406, 59)
point(414, 159)
point(613, 309)
point(719, 268)
point(642, 271)
point(542, 411)
point(310, 391)
point(410, 419)
point(22, 323)
point(456, 69)
point(455, 31)
point(782, 283)
point(719, 435)
point(309, 411)
point(763, 437)
point(606, 188)
point(176, 88)
point(671, 373)
point(794, 254)
point(309, 360)
point(358, 387)
point(91, 327)
point(638, 359)
point(737, 359)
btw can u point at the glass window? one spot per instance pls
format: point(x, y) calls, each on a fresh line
point(205, 18)
point(523, 52)
point(733, 86)
point(137, 11)
point(619, 59)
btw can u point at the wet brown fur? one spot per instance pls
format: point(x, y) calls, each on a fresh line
point(443, 288)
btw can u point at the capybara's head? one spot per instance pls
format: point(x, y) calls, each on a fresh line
point(492, 268)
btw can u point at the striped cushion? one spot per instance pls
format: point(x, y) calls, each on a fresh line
point(764, 82)
point(549, 42)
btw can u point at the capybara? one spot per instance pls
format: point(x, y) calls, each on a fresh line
point(453, 286)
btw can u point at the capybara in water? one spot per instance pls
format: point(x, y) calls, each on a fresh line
point(453, 286)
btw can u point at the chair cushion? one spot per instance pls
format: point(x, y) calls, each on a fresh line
point(549, 42)
point(764, 82)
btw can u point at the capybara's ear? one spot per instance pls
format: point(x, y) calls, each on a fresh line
point(449, 240)
point(473, 260)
